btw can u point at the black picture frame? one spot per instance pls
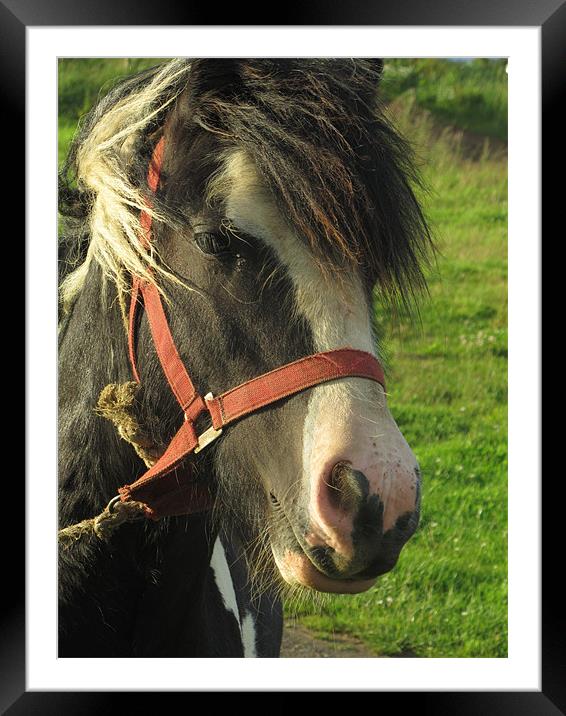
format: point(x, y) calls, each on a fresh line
point(15, 17)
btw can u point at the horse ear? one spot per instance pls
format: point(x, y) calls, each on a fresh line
point(368, 79)
point(377, 65)
point(224, 77)
point(214, 76)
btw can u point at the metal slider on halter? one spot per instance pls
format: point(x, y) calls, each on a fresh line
point(209, 435)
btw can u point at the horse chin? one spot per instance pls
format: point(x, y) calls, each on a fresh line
point(296, 568)
point(294, 564)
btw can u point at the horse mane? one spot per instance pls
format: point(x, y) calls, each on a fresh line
point(103, 186)
point(314, 129)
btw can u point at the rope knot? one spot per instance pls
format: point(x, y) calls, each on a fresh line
point(104, 524)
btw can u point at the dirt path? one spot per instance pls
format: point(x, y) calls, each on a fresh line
point(300, 642)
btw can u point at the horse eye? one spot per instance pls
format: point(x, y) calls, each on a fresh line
point(212, 243)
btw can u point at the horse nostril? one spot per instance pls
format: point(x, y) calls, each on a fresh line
point(347, 535)
point(348, 489)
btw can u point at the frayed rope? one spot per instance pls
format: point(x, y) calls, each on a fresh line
point(119, 403)
point(104, 524)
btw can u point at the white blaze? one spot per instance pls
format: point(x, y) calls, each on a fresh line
point(349, 419)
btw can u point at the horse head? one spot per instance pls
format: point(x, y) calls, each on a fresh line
point(284, 204)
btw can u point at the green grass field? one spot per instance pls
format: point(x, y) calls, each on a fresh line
point(447, 380)
point(470, 95)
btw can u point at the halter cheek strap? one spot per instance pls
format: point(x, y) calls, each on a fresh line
point(166, 489)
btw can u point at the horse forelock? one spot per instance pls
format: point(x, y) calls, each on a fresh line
point(342, 176)
point(108, 162)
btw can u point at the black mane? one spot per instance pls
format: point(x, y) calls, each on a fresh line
point(318, 135)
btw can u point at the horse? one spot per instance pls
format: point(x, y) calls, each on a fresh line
point(285, 204)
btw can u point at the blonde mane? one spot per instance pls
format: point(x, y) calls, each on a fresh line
point(105, 151)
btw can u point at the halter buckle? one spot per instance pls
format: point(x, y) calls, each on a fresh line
point(209, 435)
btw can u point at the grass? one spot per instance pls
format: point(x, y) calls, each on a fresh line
point(447, 597)
point(469, 95)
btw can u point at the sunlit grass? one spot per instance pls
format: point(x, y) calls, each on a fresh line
point(470, 95)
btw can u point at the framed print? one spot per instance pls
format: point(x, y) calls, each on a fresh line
point(485, 670)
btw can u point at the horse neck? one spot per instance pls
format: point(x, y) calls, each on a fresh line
point(93, 460)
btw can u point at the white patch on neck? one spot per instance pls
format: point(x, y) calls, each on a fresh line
point(249, 636)
point(223, 579)
point(225, 584)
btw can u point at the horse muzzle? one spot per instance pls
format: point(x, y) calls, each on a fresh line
point(345, 546)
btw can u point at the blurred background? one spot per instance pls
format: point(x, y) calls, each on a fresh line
point(447, 378)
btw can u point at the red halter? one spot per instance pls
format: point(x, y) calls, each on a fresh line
point(166, 490)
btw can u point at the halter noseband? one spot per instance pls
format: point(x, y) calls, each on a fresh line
point(164, 488)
